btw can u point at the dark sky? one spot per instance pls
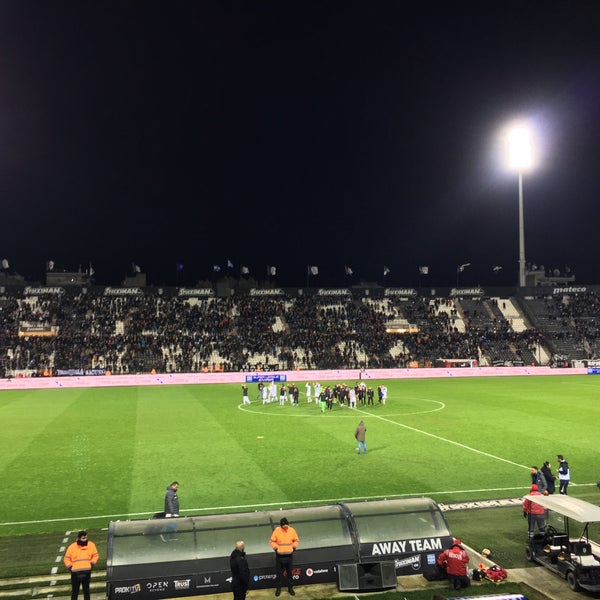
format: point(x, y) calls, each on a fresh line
point(293, 133)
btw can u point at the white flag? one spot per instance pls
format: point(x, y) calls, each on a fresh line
point(496, 268)
point(5, 264)
point(424, 270)
point(229, 264)
point(313, 270)
point(50, 265)
point(461, 268)
point(348, 271)
point(272, 271)
point(216, 268)
point(245, 270)
point(385, 271)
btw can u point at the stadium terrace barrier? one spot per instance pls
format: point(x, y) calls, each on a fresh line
point(291, 376)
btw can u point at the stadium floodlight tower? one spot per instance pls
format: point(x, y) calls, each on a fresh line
point(520, 159)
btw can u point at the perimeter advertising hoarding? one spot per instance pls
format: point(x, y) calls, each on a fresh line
point(266, 378)
point(216, 582)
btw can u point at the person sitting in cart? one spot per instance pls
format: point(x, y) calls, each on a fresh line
point(534, 513)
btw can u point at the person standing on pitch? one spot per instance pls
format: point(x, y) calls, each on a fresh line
point(564, 474)
point(240, 572)
point(284, 541)
point(534, 513)
point(172, 500)
point(80, 558)
point(550, 477)
point(360, 436)
point(539, 479)
point(245, 398)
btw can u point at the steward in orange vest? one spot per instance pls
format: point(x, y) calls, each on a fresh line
point(284, 541)
point(80, 558)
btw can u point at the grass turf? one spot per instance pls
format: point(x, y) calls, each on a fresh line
point(79, 458)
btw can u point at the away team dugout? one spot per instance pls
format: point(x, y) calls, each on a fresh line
point(363, 546)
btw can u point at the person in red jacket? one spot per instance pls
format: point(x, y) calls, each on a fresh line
point(534, 513)
point(80, 558)
point(454, 560)
point(284, 541)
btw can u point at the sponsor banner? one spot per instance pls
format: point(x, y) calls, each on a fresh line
point(210, 583)
point(461, 292)
point(79, 372)
point(301, 575)
point(569, 290)
point(333, 292)
point(38, 331)
point(127, 590)
point(266, 292)
point(171, 587)
point(265, 378)
point(195, 292)
point(499, 503)
point(43, 291)
point(410, 562)
point(123, 291)
point(405, 292)
point(264, 579)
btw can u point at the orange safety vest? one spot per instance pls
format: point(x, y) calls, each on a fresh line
point(284, 542)
point(81, 558)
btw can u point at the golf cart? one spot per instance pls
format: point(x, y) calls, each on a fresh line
point(565, 547)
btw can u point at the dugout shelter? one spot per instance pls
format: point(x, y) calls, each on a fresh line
point(363, 546)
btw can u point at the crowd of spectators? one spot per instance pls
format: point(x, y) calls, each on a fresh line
point(138, 333)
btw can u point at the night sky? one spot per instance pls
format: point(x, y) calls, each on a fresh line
point(297, 133)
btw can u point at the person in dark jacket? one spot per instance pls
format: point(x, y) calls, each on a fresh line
point(240, 572)
point(360, 436)
point(172, 500)
point(550, 477)
point(538, 478)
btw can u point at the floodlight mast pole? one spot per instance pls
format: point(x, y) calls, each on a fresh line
point(520, 160)
point(521, 234)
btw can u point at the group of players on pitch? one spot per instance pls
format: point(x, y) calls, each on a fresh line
point(325, 397)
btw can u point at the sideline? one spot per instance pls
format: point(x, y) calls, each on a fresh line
point(299, 504)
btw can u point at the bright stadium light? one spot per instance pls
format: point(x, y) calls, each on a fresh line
point(520, 159)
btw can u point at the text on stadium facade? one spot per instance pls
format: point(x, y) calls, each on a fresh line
point(333, 292)
point(125, 291)
point(267, 292)
point(40, 291)
point(195, 292)
point(400, 292)
point(569, 290)
point(466, 292)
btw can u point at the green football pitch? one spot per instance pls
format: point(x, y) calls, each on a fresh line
point(79, 458)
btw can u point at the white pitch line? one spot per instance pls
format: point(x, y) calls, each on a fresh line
point(443, 439)
point(294, 503)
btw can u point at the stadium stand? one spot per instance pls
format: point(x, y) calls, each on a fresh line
point(43, 334)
